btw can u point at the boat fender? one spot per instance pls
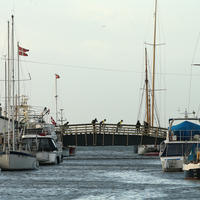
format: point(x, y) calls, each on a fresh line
point(198, 154)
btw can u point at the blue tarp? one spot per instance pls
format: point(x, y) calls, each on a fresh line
point(186, 130)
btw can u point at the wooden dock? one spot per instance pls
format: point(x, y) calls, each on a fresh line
point(111, 134)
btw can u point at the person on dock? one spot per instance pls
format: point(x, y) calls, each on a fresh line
point(119, 125)
point(93, 123)
point(146, 127)
point(138, 126)
point(94, 131)
point(102, 124)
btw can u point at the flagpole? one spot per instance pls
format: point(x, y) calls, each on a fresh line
point(18, 90)
point(56, 96)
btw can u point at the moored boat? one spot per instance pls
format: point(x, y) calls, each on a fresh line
point(14, 154)
point(192, 166)
point(18, 159)
point(143, 149)
point(178, 143)
point(152, 154)
point(44, 148)
point(72, 150)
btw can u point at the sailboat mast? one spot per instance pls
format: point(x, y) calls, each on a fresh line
point(153, 80)
point(6, 106)
point(13, 83)
point(8, 84)
point(146, 83)
point(56, 96)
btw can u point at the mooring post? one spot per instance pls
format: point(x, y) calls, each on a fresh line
point(76, 135)
point(127, 139)
point(85, 136)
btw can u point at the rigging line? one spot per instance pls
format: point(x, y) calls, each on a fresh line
point(141, 102)
point(191, 71)
point(81, 67)
point(103, 69)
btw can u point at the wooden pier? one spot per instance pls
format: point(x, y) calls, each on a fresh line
point(111, 134)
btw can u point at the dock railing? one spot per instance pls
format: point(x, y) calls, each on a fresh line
point(124, 129)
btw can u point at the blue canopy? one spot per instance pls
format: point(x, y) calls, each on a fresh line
point(186, 130)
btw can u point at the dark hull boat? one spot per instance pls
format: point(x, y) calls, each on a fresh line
point(192, 173)
point(192, 167)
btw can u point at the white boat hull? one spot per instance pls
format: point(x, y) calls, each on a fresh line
point(49, 157)
point(170, 164)
point(142, 149)
point(65, 152)
point(14, 160)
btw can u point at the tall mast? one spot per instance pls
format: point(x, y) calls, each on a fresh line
point(13, 84)
point(146, 83)
point(8, 84)
point(6, 105)
point(56, 96)
point(153, 81)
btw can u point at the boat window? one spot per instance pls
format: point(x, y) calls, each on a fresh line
point(176, 149)
point(45, 144)
point(31, 142)
point(53, 145)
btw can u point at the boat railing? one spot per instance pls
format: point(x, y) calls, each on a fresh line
point(184, 135)
point(162, 146)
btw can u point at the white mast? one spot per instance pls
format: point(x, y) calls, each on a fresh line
point(6, 106)
point(153, 80)
point(8, 85)
point(56, 96)
point(13, 84)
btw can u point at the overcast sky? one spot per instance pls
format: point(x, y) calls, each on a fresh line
point(97, 48)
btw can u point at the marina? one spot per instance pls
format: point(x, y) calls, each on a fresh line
point(100, 173)
point(64, 151)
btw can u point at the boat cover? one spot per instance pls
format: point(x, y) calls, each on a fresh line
point(186, 130)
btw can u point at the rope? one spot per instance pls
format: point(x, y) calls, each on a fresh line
point(191, 72)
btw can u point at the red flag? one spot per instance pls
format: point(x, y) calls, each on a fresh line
point(52, 121)
point(22, 51)
point(57, 76)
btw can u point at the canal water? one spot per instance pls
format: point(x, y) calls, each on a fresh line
point(98, 173)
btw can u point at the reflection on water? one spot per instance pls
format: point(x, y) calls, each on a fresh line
point(99, 173)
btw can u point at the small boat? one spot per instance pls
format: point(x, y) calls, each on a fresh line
point(150, 99)
point(152, 154)
point(192, 166)
point(18, 159)
point(72, 150)
point(179, 140)
point(65, 151)
point(143, 149)
point(44, 148)
point(15, 154)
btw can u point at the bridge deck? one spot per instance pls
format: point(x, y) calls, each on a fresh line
point(111, 134)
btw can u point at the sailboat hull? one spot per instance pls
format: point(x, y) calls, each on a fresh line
point(14, 160)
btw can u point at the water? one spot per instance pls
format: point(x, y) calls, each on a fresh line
point(99, 173)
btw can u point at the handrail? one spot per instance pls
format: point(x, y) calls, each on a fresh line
point(124, 129)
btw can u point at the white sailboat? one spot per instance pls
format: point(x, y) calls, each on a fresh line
point(15, 155)
point(142, 149)
point(40, 135)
